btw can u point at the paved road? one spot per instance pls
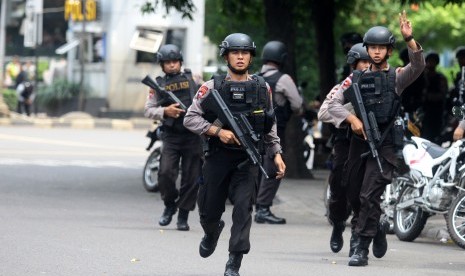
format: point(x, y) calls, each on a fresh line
point(72, 203)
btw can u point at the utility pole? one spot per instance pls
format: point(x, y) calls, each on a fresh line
point(4, 111)
point(82, 61)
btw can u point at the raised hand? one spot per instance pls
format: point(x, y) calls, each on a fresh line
point(405, 25)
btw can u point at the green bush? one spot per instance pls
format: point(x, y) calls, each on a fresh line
point(42, 66)
point(10, 98)
point(60, 90)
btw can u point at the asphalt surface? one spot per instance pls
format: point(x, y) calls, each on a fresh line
point(76, 218)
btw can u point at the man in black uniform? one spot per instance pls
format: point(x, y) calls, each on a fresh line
point(434, 100)
point(286, 100)
point(339, 207)
point(380, 88)
point(227, 170)
point(178, 142)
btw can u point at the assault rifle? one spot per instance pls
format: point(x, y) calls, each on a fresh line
point(161, 91)
point(239, 125)
point(369, 122)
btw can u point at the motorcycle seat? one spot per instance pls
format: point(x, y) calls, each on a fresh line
point(435, 150)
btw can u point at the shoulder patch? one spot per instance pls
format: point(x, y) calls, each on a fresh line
point(347, 82)
point(202, 90)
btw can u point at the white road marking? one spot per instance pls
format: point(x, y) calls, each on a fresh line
point(75, 163)
point(64, 143)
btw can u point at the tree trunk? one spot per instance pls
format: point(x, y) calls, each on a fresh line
point(280, 26)
point(279, 16)
point(323, 15)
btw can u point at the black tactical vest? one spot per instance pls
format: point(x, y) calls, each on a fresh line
point(184, 88)
point(378, 90)
point(283, 113)
point(246, 97)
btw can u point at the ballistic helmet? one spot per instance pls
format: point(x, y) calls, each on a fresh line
point(460, 52)
point(356, 53)
point(379, 35)
point(274, 51)
point(169, 52)
point(237, 41)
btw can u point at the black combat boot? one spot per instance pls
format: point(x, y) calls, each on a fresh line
point(210, 239)
point(379, 241)
point(233, 264)
point(360, 257)
point(168, 214)
point(353, 243)
point(336, 242)
point(182, 220)
point(264, 215)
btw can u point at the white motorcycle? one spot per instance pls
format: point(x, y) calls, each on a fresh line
point(150, 173)
point(436, 177)
point(309, 143)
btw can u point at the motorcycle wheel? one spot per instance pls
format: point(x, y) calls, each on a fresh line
point(389, 199)
point(409, 222)
point(456, 220)
point(150, 174)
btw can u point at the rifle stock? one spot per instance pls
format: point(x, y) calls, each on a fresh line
point(369, 123)
point(161, 91)
point(240, 126)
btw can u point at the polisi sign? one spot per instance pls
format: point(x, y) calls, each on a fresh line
point(74, 9)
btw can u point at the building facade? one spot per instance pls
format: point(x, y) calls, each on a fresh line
point(120, 44)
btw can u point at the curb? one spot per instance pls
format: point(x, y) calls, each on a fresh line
point(77, 123)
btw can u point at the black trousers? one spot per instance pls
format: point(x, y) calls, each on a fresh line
point(186, 148)
point(268, 188)
point(223, 178)
point(366, 184)
point(339, 208)
point(23, 107)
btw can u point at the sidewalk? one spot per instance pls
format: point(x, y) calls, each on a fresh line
point(294, 194)
point(79, 120)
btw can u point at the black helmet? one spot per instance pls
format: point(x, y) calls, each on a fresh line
point(169, 52)
point(378, 35)
point(237, 41)
point(274, 51)
point(460, 52)
point(433, 56)
point(356, 53)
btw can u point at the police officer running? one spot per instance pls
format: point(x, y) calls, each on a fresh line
point(380, 88)
point(250, 96)
point(286, 99)
point(339, 208)
point(178, 142)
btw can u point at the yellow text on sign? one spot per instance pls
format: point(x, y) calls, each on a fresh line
point(73, 9)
